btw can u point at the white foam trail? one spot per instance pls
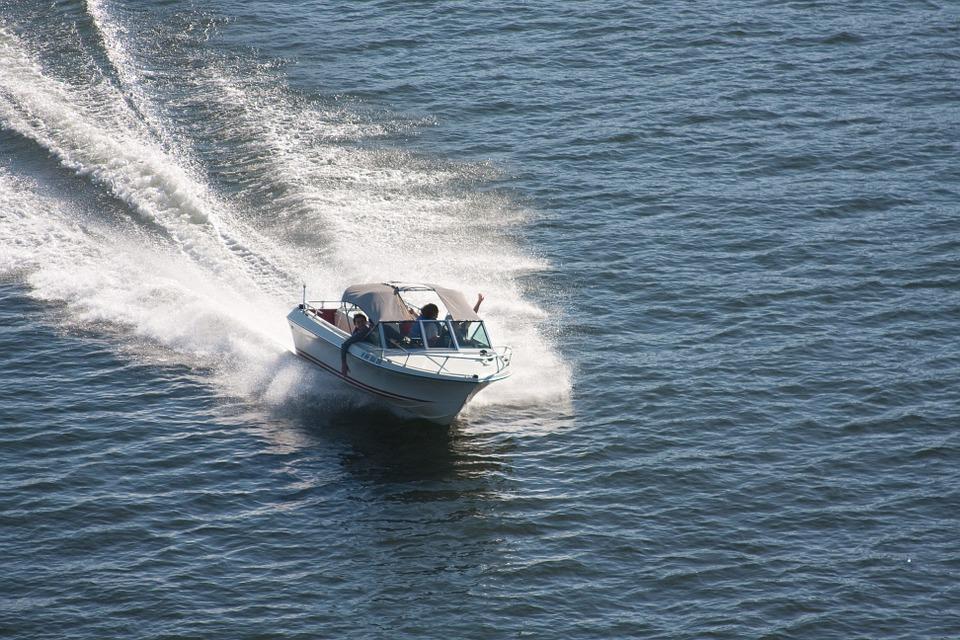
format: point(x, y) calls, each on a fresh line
point(207, 295)
point(388, 218)
point(217, 292)
point(111, 277)
point(135, 170)
point(114, 34)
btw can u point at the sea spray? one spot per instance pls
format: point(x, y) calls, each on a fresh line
point(213, 288)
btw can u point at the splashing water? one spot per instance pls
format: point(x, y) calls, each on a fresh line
point(220, 220)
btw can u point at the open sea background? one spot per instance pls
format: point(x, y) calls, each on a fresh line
point(722, 237)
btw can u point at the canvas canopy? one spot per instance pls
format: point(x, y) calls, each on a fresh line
point(383, 302)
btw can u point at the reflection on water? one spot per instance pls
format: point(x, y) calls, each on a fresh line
point(376, 446)
point(404, 506)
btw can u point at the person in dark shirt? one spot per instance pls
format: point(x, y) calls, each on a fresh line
point(361, 329)
point(428, 312)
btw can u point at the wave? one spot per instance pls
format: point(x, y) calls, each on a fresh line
point(206, 266)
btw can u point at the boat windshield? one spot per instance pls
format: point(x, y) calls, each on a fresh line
point(396, 335)
point(430, 334)
point(435, 334)
point(471, 335)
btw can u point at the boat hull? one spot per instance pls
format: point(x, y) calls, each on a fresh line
point(428, 397)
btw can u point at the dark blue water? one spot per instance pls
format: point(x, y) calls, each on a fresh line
point(722, 239)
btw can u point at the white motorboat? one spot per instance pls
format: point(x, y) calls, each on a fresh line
point(421, 367)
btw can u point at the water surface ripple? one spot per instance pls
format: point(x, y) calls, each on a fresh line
point(724, 237)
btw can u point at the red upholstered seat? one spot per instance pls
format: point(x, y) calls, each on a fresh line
point(327, 314)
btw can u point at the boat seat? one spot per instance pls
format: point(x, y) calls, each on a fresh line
point(327, 315)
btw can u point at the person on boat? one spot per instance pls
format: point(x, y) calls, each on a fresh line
point(428, 313)
point(437, 335)
point(361, 329)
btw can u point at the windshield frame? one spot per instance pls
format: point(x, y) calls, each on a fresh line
point(454, 340)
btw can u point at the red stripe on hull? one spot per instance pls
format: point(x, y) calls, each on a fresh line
point(357, 383)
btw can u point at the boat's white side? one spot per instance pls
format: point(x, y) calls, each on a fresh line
point(434, 384)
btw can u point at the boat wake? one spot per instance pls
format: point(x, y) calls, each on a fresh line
point(180, 212)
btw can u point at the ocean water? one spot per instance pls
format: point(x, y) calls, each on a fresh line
point(722, 238)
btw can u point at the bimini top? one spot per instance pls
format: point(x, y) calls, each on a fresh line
point(383, 301)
